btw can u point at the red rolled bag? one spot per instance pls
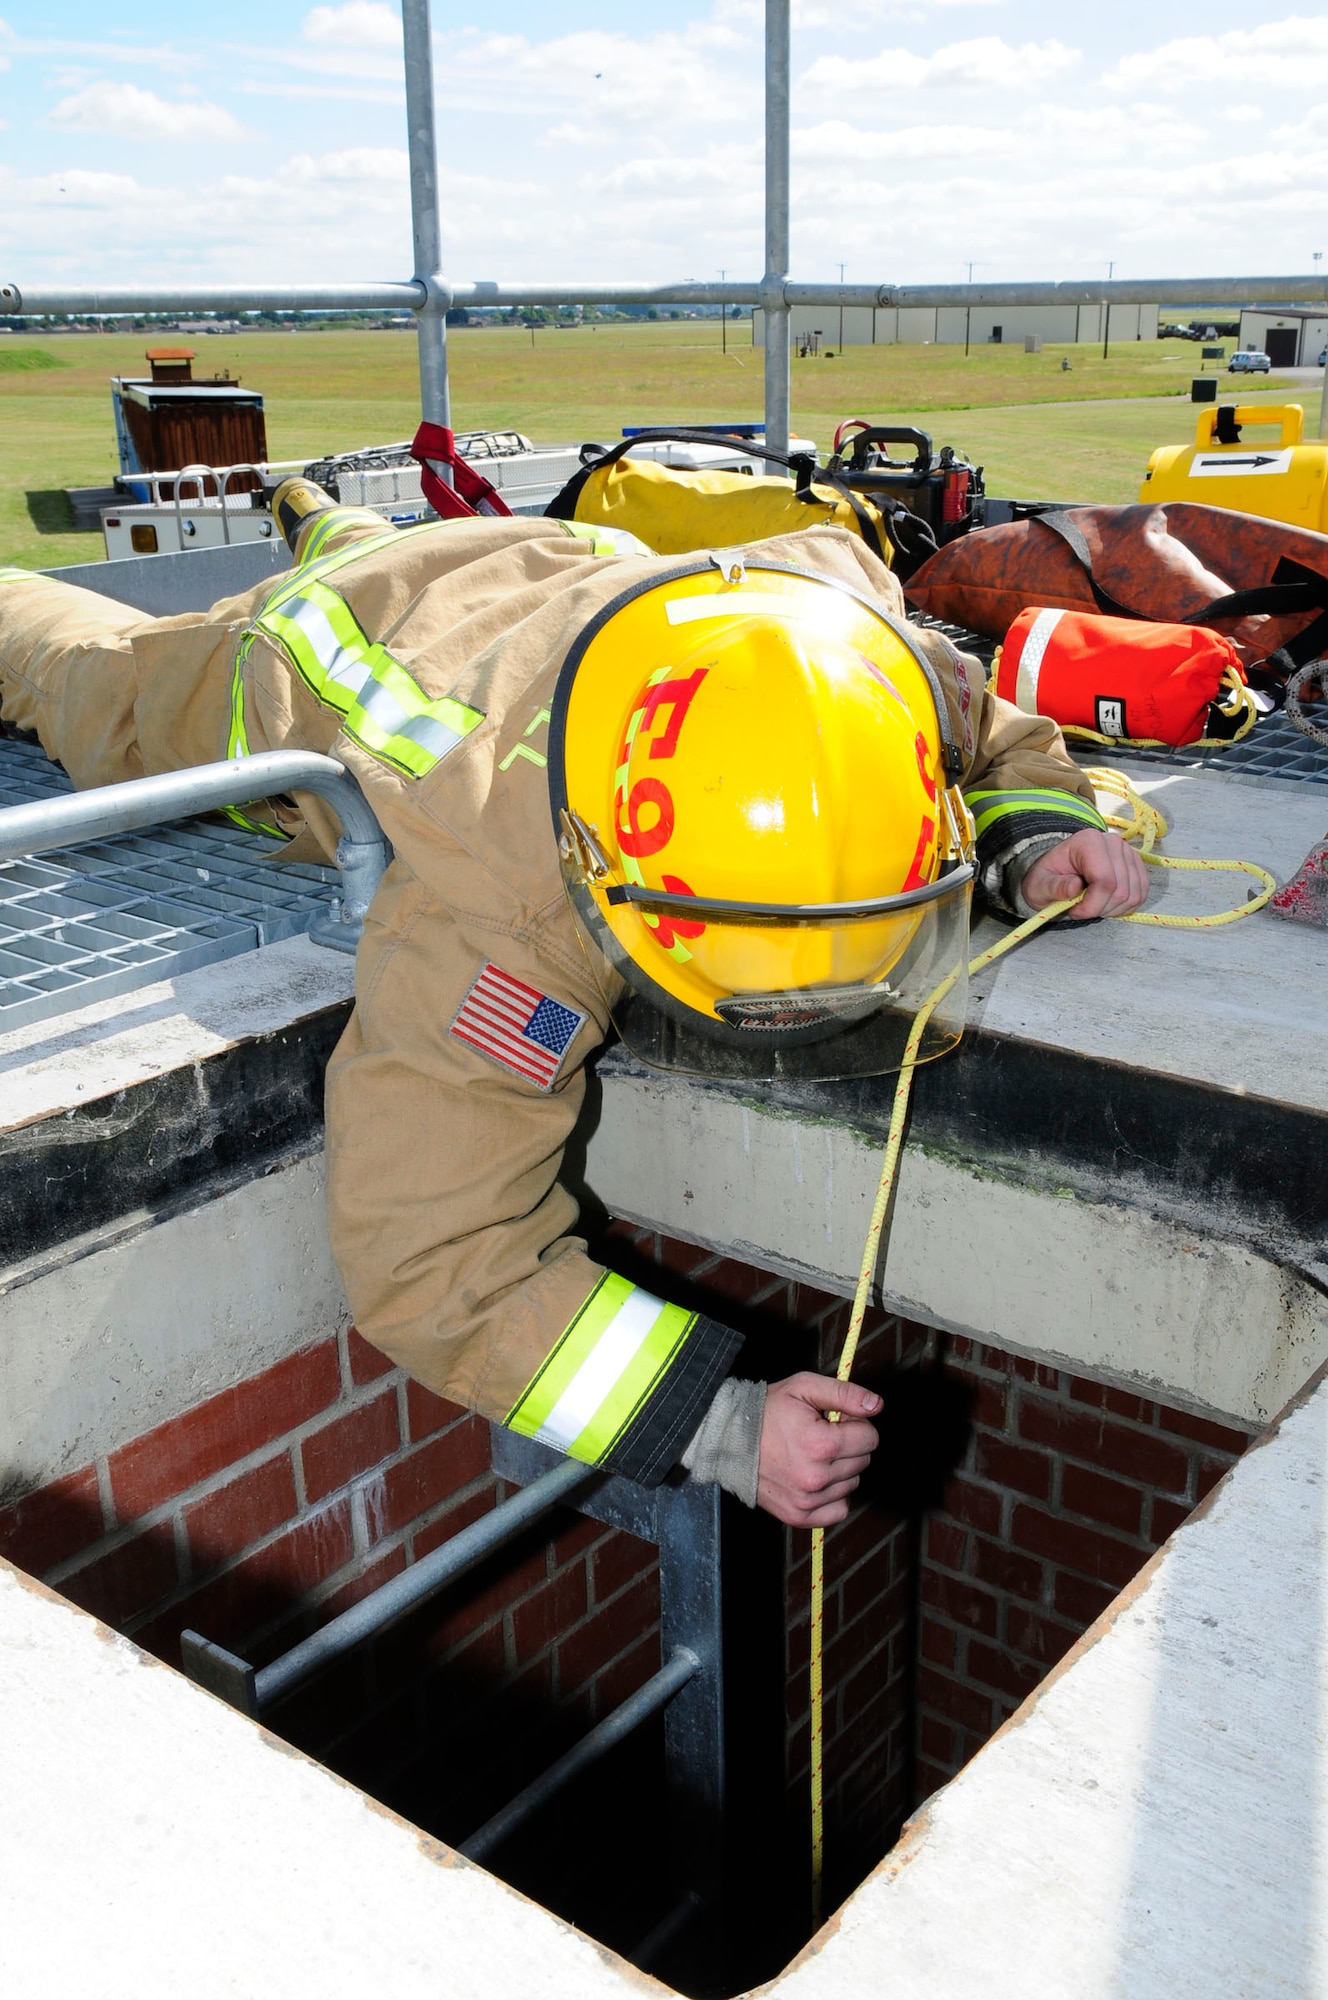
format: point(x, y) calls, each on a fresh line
point(1121, 680)
point(1264, 583)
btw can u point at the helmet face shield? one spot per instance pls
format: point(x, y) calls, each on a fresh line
point(816, 1027)
point(750, 776)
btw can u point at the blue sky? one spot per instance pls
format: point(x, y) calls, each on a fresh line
point(260, 142)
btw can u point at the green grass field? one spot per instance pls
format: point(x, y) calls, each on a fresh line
point(1084, 434)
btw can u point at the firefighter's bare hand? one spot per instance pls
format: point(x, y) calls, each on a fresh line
point(808, 1465)
point(1106, 868)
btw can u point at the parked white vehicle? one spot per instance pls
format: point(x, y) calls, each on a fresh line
point(1249, 361)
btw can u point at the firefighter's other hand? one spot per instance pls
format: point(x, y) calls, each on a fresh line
point(1108, 870)
point(809, 1466)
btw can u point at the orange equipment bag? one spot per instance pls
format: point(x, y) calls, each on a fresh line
point(1114, 680)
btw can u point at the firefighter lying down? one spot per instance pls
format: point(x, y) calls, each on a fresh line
point(722, 802)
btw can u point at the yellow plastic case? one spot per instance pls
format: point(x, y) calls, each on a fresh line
point(1285, 481)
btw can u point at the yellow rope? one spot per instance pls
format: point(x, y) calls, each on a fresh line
point(1145, 826)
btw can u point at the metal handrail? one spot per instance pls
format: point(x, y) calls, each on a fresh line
point(362, 854)
point(252, 1690)
point(681, 1667)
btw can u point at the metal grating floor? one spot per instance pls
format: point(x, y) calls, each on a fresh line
point(86, 923)
point(1273, 750)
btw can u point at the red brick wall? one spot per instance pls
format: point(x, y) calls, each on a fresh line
point(935, 1630)
point(1068, 1488)
point(271, 1507)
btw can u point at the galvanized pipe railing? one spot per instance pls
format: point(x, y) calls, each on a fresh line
point(777, 321)
point(71, 818)
point(109, 302)
point(254, 1690)
point(426, 228)
point(648, 1700)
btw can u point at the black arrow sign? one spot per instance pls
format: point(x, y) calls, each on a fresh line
point(1268, 458)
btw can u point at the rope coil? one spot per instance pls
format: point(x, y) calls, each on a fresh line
point(1144, 827)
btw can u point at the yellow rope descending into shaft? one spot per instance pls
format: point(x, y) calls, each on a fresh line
point(894, 1141)
point(1145, 826)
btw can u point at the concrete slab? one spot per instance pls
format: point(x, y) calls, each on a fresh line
point(1237, 1007)
point(117, 1331)
point(150, 1837)
point(1175, 1307)
point(49, 1067)
point(1151, 1824)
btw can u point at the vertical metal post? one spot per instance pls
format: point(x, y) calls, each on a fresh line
point(431, 317)
point(687, 1520)
point(1323, 399)
point(684, 1522)
point(776, 224)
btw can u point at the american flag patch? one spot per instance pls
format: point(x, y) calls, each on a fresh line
point(516, 1025)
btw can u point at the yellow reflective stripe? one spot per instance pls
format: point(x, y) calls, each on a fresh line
point(381, 707)
point(11, 575)
point(988, 807)
point(334, 518)
point(607, 541)
point(608, 1362)
point(239, 747)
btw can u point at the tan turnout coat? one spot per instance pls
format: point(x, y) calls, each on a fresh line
point(453, 1235)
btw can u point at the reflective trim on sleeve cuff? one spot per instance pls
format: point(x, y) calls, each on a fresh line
point(606, 1365)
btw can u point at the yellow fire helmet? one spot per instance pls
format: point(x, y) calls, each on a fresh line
point(752, 779)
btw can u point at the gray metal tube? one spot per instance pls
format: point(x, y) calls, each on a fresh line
point(362, 852)
point(411, 296)
point(421, 1580)
point(682, 1667)
point(110, 300)
point(481, 292)
point(773, 295)
point(431, 319)
point(71, 818)
point(1073, 292)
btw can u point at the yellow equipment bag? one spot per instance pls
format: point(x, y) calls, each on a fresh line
point(676, 512)
point(1282, 481)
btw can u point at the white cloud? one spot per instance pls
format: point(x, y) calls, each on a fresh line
point(650, 82)
point(359, 24)
point(838, 14)
point(123, 111)
point(1281, 55)
point(985, 63)
point(325, 92)
point(837, 141)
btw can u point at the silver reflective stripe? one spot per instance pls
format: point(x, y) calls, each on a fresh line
point(620, 1342)
point(1030, 660)
point(352, 671)
point(348, 669)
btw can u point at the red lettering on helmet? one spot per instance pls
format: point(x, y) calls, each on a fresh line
point(917, 876)
point(879, 674)
point(677, 695)
point(924, 769)
point(668, 928)
point(638, 840)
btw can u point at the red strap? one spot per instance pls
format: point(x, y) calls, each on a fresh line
point(468, 494)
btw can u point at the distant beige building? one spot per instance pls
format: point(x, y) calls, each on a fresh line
point(884, 326)
point(1291, 336)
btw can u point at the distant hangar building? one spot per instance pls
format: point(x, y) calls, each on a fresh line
point(884, 326)
point(1292, 336)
